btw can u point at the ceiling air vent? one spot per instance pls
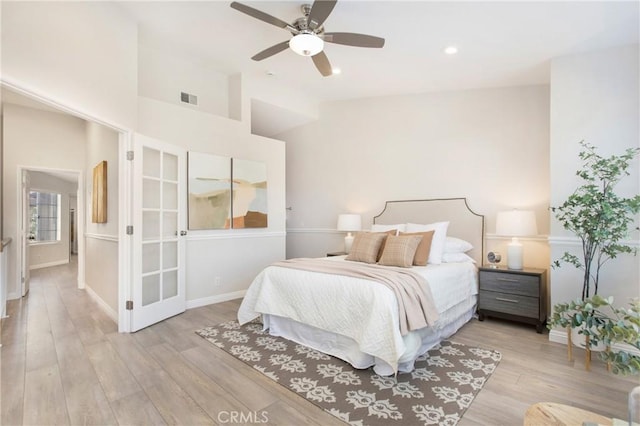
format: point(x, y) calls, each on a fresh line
point(188, 98)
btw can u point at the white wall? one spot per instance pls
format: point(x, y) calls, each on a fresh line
point(162, 76)
point(235, 256)
point(595, 97)
point(38, 139)
point(82, 54)
point(101, 239)
point(491, 146)
point(85, 55)
point(273, 106)
point(42, 255)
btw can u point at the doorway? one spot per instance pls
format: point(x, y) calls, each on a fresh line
point(45, 220)
point(43, 137)
point(119, 265)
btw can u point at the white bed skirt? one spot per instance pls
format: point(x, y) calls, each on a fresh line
point(416, 342)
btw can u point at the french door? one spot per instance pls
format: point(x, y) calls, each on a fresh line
point(159, 206)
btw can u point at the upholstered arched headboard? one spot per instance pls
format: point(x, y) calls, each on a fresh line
point(464, 223)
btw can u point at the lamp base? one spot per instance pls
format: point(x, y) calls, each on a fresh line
point(514, 254)
point(348, 242)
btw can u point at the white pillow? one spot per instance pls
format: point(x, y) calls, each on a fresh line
point(456, 257)
point(439, 238)
point(456, 245)
point(384, 228)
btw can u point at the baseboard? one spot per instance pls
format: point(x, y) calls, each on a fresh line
point(46, 265)
point(219, 298)
point(103, 305)
point(560, 336)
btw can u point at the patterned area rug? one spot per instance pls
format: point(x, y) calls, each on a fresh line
point(440, 389)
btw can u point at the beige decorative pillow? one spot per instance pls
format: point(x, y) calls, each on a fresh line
point(399, 251)
point(366, 246)
point(424, 248)
point(392, 232)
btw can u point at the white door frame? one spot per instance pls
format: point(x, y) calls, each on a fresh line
point(79, 221)
point(23, 254)
point(125, 242)
point(125, 183)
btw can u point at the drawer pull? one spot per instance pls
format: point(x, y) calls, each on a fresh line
point(507, 280)
point(502, 299)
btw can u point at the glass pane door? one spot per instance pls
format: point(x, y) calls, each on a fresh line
point(160, 290)
point(160, 230)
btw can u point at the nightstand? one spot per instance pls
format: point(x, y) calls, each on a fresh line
point(518, 295)
point(336, 253)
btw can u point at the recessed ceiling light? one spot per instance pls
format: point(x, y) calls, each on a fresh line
point(270, 73)
point(450, 50)
point(335, 71)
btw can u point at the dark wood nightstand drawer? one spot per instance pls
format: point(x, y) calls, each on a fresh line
point(507, 303)
point(519, 295)
point(526, 285)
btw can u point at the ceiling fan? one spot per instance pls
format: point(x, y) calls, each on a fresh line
point(308, 34)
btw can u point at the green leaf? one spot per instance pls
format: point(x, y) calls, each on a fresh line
point(599, 217)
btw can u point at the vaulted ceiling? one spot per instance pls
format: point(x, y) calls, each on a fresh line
point(502, 43)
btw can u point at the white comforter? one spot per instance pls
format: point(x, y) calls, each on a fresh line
point(357, 308)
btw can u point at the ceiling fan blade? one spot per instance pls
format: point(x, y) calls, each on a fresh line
point(259, 14)
point(320, 11)
point(322, 63)
point(354, 39)
point(270, 51)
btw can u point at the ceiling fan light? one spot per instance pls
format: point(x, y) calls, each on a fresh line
point(306, 44)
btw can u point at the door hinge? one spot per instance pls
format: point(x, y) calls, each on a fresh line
point(129, 229)
point(129, 155)
point(129, 305)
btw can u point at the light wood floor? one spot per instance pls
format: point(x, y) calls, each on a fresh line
point(63, 362)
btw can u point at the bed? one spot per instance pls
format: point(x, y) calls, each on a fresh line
point(359, 321)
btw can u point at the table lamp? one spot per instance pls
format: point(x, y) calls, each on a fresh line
point(349, 223)
point(514, 224)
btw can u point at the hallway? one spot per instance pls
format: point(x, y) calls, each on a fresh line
point(43, 341)
point(63, 362)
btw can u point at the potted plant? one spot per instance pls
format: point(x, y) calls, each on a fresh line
point(606, 324)
point(601, 219)
point(597, 215)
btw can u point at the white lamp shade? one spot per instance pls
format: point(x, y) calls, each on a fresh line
point(306, 44)
point(516, 223)
point(349, 222)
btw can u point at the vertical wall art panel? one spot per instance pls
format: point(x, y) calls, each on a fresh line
point(99, 194)
point(209, 191)
point(249, 194)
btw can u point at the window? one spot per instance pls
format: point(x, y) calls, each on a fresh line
point(44, 214)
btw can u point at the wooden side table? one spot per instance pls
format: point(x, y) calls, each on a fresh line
point(550, 413)
point(518, 295)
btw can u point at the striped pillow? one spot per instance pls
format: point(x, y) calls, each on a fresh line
point(393, 232)
point(400, 251)
point(424, 248)
point(366, 246)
